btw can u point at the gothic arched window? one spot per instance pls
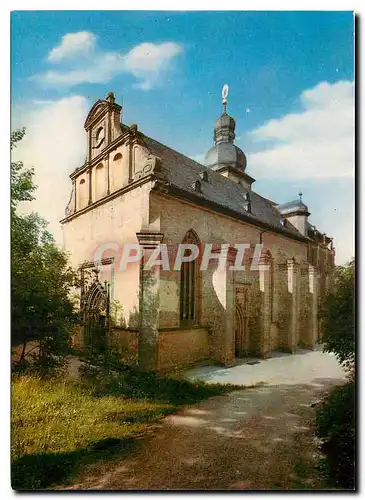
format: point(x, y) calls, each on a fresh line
point(189, 284)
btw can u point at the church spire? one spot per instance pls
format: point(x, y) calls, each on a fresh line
point(225, 156)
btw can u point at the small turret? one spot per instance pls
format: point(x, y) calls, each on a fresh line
point(296, 212)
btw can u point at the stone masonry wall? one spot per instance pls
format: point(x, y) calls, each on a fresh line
point(175, 219)
point(182, 347)
point(125, 342)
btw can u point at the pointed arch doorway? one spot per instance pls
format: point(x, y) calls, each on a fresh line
point(241, 340)
point(95, 299)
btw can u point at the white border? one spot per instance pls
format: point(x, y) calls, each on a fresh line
point(5, 9)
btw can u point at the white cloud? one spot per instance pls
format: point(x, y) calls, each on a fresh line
point(73, 44)
point(148, 60)
point(83, 62)
point(54, 145)
point(317, 143)
point(312, 151)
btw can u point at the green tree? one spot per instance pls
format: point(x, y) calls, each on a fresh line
point(336, 416)
point(41, 280)
point(340, 318)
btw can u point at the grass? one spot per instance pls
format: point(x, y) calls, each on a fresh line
point(60, 426)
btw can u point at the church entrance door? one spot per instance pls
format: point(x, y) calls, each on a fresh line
point(242, 314)
point(95, 300)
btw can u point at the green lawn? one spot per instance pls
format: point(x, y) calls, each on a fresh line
point(60, 426)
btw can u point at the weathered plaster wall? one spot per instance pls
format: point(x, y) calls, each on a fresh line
point(112, 223)
point(300, 222)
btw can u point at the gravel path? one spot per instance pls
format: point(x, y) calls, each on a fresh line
point(253, 439)
point(303, 367)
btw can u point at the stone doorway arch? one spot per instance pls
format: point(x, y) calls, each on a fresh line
point(95, 298)
point(241, 340)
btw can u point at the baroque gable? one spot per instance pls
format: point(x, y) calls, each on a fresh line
point(102, 126)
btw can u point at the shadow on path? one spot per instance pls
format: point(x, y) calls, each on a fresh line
point(254, 439)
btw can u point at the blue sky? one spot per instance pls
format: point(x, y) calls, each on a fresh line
point(287, 71)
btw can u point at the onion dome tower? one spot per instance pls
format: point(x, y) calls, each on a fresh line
point(225, 157)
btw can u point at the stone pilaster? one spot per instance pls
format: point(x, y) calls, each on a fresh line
point(74, 197)
point(265, 303)
point(313, 295)
point(305, 313)
point(293, 305)
point(90, 186)
point(149, 303)
point(230, 320)
point(106, 159)
point(223, 316)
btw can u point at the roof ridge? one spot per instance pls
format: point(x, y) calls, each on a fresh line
point(221, 190)
point(175, 151)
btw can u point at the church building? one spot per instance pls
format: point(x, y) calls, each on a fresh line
point(133, 189)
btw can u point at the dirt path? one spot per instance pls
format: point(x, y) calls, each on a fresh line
point(254, 439)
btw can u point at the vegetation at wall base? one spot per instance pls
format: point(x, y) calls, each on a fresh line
point(335, 418)
point(335, 425)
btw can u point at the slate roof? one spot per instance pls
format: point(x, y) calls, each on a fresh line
point(292, 206)
point(225, 195)
point(315, 234)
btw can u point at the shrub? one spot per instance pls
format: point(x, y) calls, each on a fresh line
point(335, 419)
point(335, 424)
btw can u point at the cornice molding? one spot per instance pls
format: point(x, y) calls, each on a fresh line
point(149, 239)
point(297, 212)
point(236, 171)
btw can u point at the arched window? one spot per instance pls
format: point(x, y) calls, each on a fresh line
point(189, 285)
point(99, 184)
point(118, 157)
point(82, 195)
point(116, 172)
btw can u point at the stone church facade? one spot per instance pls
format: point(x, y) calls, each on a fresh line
point(134, 190)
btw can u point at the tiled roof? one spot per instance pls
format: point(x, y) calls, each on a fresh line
point(181, 172)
